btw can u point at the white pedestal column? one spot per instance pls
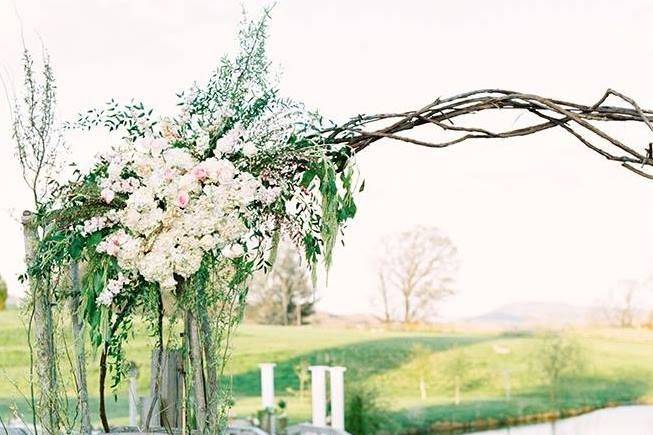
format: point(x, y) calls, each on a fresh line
point(133, 395)
point(267, 385)
point(318, 394)
point(133, 398)
point(337, 397)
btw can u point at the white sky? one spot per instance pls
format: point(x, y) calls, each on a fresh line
point(538, 218)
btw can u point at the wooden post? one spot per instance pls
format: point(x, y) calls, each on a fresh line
point(171, 388)
point(152, 410)
point(80, 352)
point(197, 369)
point(43, 334)
point(167, 410)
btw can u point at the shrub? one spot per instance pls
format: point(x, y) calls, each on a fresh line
point(364, 412)
point(3, 294)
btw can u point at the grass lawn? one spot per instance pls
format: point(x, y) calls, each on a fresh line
point(618, 369)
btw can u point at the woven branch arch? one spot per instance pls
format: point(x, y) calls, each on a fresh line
point(584, 122)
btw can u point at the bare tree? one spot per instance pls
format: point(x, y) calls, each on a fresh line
point(625, 309)
point(284, 296)
point(385, 299)
point(416, 271)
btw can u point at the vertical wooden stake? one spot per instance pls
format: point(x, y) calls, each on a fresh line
point(80, 352)
point(197, 369)
point(43, 333)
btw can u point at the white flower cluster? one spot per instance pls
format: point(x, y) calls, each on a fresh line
point(114, 287)
point(174, 208)
point(94, 224)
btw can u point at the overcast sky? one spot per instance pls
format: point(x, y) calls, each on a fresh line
point(535, 219)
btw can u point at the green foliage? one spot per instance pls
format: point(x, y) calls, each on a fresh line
point(3, 294)
point(364, 412)
point(457, 369)
point(617, 371)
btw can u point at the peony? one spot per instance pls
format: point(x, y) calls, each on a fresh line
point(107, 195)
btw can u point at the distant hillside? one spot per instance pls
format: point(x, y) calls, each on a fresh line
point(532, 314)
point(322, 318)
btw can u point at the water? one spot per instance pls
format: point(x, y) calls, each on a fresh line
point(624, 420)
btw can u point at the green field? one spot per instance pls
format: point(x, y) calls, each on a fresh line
point(618, 369)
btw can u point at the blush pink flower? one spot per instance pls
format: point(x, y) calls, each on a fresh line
point(107, 195)
point(182, 199)
point(169, 174)
point(113, 244)
point(199, 172)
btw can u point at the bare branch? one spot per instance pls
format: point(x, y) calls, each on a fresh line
point(585, 122)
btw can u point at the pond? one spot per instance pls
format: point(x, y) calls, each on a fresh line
point(635, 420)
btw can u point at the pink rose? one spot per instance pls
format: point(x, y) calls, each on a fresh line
point(182, 199)
point(107, 195)
point(200, 172)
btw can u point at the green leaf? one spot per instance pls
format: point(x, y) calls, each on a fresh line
point(94, 240)
point(76, 247)
point(307, 177)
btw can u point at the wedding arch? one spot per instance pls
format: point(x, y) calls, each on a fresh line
point(170, 224)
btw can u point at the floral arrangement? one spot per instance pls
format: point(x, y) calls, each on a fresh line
point(176, 217)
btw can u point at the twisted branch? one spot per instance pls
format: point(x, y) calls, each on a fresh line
point(585, 123)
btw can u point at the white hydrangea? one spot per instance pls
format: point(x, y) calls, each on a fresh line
point(176, 208)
